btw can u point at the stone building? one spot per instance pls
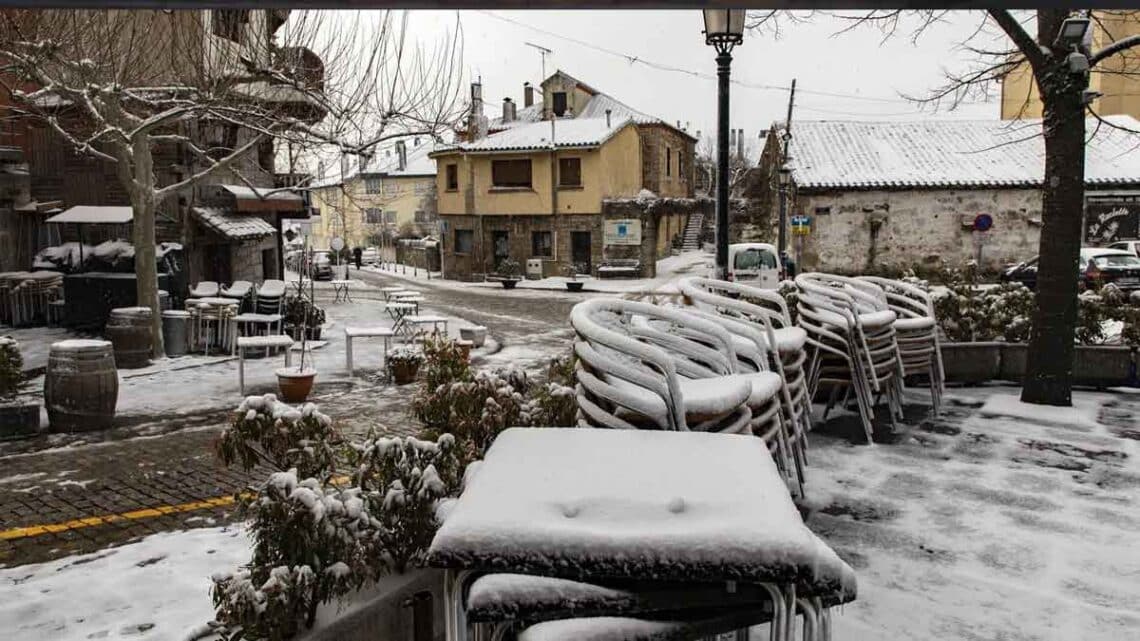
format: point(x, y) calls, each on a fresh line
point(904, 195)
point(533, 184)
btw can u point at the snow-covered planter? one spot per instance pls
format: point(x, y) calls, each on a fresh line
point(573, 271)
point(404, 364)
point(477, 334)
point(17, 418)
point(510, 273)
point(295, 384)
point(267, 431)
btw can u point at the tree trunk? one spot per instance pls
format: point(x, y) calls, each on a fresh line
point(146, 265)
point(1049, 365)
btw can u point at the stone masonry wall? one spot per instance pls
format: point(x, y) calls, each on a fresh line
point(655, 139)
point(480, 261)
point(246, 262)
point(862, 231)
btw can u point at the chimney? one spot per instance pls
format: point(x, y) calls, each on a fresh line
point(740, 143)
point(528, 94)
point(476, 110)
point(402, 155)
point(508, 110)
point(608, 111)
point(343, 166)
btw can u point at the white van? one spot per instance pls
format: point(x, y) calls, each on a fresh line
point(755, 264)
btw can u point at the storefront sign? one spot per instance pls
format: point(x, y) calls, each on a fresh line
point(1111, 218)
point(622, 232)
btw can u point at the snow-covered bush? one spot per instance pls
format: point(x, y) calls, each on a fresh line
point(1009, 308)
point(11, 368)
point(787, 289)
point(265, 430)
point(401, 481)
point(443, 364)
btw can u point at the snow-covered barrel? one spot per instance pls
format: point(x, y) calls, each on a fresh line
point(81, 386)
point(128, 329)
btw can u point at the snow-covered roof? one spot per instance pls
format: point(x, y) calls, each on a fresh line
point(87, 214)
point(948, 153)
point(266, 193)
point(385, 163)
point(233, 225)
point(523, 116)
point(567, 133)
point(688, 506)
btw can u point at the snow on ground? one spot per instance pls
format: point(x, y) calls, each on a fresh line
point(669, 269)
point(158, 588)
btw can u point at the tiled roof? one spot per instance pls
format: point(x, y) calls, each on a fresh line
point(568, 133)
point(948, 153)
point(233, 225)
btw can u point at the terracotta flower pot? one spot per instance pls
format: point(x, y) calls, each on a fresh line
point(295, 385)
point(404, 372)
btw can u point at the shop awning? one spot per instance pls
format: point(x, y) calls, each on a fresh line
point(232, 224)
point(90, 214)
point(265, 199)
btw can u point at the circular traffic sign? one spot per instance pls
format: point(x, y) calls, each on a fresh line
point(983, 222)
point(336, 244)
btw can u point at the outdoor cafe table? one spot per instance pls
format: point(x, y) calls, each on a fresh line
point(340, 288)
point(595, 505)
point(397, 311)
point(388, 291)
point(217, 303)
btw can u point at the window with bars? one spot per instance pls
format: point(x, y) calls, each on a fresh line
point(390, 218)
point(569, 172)
point(542, 244)
point(391, 188)
point(423, 187)
point(421, 216)
point(373, 216)
point(372, 185)
point(510, 173)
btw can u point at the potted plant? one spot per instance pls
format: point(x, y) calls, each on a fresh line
point(404, 364)
point(17, 418)
point(296, 383)
point(510, 273)
point(572, 271)
point(477, 334)
point(302, 315)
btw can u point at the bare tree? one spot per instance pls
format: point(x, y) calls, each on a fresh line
point(1060, 70)
point(215, 87)
point(738, 165)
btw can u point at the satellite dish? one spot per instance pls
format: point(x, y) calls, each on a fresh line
point(337, 243)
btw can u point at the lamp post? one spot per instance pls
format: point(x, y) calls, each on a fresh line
point(782, 239)
point(724, 29)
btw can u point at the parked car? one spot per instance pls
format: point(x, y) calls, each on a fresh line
point(1096, 266)
point(370, 256)
point(755, 264)
point(320, 266)
point(1127, 245)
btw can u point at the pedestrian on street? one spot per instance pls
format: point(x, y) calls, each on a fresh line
point(357, 255)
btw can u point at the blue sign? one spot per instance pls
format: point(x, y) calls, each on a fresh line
point(983, 222)
point(801, 221)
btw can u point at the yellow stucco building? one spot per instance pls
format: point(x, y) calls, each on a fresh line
point(394, 195)
point(533, 184)
point(1116, 78)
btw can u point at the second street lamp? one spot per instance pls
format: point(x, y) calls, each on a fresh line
point(724, 29)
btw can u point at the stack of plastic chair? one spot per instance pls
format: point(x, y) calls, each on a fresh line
point(267, 315)
point(650, 373)
point(756, 342)
point(917, 333)
point(205, 289)
point(850, 329)
point(241, 290)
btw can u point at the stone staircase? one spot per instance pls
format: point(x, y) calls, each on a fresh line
point(691, 239)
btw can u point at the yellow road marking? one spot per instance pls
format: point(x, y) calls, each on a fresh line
point(133, 515)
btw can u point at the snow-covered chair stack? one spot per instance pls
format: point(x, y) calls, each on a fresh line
point(633, 372)
point(205, 289)
point(756, 341)
point(850, 329)
point(916, 331)
point(241, 290)
point(631, 534)
point(266, 319)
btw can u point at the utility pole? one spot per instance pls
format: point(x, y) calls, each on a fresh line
point(782, 236)
point(542, 51)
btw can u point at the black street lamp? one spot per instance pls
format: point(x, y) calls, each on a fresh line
point(724, 29)
point(782, 239)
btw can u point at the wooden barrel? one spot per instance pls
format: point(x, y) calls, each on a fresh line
point(128, 329)
point(81, 386)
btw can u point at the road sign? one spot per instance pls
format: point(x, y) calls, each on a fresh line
point(801, 225)
point(983, 222)
point(336, 244)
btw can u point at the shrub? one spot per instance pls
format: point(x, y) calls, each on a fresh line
point(444, 364)
point(265, 430)
point(299, 311)
point(510, 268)
point(1009, 308)
point(787, 289)
point(11, 368)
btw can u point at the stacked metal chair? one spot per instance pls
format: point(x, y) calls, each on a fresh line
point(639, 366)
point(917, 333)
point(854, 348)
point(757, 342)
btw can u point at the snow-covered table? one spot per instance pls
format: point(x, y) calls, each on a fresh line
point(595, 505)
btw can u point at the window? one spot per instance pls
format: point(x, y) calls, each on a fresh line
point(754, 259)
point(389, 218)
point(453, 177)
point(464, 241)
point(391, 188)
point(570, 172)
point(423, 187)
point(510, 173)
point(680, 165)
point(372, 185)
point(559, 98)
point(668, 161)
point(542, 244)
point(373, 216)
point(822, 211)
point(421, 216)
point(228, 23)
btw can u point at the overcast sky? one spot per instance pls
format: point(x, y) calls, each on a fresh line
point(859, 64)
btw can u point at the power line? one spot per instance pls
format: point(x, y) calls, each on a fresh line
point(632, 59)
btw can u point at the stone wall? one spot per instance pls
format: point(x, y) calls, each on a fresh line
point(246, 260)
point(655, 140)
point(480, 261)
point(864, 231)
point(660, 218)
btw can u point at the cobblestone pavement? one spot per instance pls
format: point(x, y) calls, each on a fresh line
point(69, 494)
